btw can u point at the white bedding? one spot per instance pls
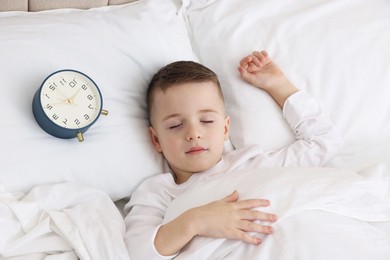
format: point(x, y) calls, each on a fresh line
point(64, 221)
point(324, 213)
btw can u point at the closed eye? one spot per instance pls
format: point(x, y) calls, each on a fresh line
point(207, 121)
point(175, 126)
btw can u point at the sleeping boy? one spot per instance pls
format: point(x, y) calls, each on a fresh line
point(189, 125)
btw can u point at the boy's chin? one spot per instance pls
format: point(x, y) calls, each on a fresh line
point(199, 168)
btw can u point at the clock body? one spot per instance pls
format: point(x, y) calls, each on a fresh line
point(67, 103)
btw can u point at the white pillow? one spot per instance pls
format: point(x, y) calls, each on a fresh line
point(338, 52)
point(120, 48)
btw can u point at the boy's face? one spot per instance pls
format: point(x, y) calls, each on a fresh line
point(189, 127)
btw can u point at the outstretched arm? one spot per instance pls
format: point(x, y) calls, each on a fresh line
point(317, 139)
point(259, 70)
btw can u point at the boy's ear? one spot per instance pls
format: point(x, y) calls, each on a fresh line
point(154, 138)
point(227, 127)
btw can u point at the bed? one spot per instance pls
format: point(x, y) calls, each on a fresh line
point(63, 199)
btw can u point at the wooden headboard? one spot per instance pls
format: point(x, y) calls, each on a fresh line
point(40, 5)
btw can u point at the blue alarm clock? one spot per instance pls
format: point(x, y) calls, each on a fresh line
point(67, 103)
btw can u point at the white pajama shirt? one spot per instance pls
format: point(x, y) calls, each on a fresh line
point(317, 141)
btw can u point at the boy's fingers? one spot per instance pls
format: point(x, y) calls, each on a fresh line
point(260, 57)
point(245, 237)
point(249, 226)
point(258, 215)
point(251, 240)
point(255, 58)
point(232, 197)
point(245, 75)
point(253, 203)
point(265, 54)
point(245, 61)
point(248, 213)
point(243, 72)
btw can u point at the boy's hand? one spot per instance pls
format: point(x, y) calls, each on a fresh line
point(232, 219)
point(259, 70)
point(226, 218)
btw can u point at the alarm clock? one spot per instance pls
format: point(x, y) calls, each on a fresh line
point(67, 103)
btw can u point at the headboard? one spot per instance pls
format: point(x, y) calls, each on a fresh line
point(40, 5)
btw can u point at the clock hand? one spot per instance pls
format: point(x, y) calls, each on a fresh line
point(59, 91)
point(66, 101)
point(71, 99)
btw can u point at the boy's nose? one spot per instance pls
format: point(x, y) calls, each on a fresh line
point(192, 134)
point(192, 138)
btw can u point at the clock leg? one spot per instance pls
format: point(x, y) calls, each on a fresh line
point(80, 136)
point(104, 112)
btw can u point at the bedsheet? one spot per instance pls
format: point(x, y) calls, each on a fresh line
point(324, 213)
point(63, 221)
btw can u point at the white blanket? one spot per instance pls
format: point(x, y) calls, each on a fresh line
point(62, 222)
point(324, 213)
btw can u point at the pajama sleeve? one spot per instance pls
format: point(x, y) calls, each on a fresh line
point(317, 139)
point(147, 208)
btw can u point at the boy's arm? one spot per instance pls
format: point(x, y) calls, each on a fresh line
point(227, 218)
point(317, 139)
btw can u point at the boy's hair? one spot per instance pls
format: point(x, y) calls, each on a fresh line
point(180, 72)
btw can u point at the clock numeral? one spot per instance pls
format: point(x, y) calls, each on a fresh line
point(62, 81)
point(48, 106)
point(55, 117)
point(90, 97)
point(77, 122)
point(84, 87)
point(86, 116)
point(65, 121)
point(52, 87)
point(46, 95)
point(90, 106)
point(73, 83)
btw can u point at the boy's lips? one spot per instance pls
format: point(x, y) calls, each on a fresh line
point(196, 150)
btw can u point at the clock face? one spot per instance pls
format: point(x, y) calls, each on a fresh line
point(70, 99)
